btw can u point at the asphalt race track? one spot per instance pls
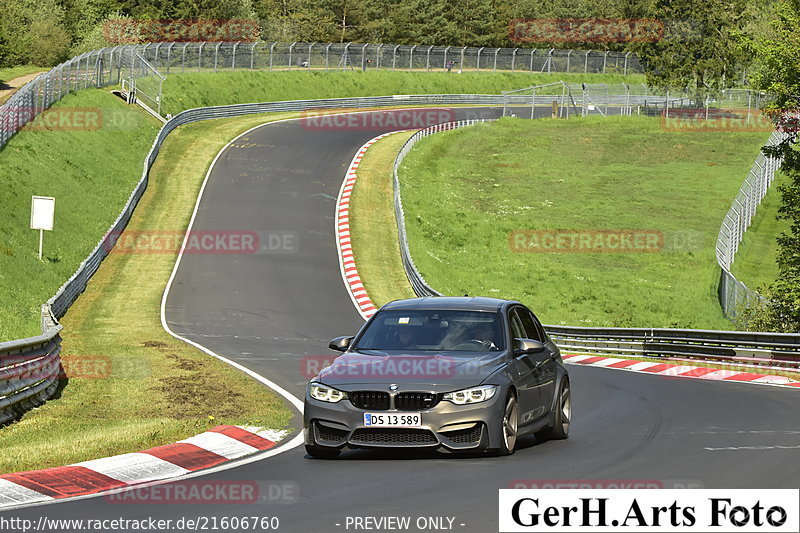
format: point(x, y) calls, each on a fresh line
point(272, 311)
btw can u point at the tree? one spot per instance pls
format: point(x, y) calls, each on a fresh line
point(777, 72)
point(699, 46)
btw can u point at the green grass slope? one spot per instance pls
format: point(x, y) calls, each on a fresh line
point(467, 191)
point(90, 171)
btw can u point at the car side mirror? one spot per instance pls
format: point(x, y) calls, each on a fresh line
point(340, 344)
point(522, 346)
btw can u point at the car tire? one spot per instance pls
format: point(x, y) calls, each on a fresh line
point(561, 418)
point(318, 452)
point(509, 422)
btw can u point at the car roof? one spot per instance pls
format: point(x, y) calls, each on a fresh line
point(460, 303)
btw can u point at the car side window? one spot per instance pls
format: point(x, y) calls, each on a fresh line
point(530, 326)
point(540, 328)
point(517, 330)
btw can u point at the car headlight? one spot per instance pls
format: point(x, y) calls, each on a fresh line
point(473, 395)
point(320, 392)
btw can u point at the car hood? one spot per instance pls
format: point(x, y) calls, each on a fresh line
point(435, 372)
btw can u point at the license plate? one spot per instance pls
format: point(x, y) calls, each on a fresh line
point(394, 420)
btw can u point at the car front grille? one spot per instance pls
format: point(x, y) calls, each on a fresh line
point(372, 400)
point(465, 436)
point(415, 401)
point(397, 436)
point(328, 434)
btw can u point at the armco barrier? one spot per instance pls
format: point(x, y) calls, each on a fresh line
point(775, 349)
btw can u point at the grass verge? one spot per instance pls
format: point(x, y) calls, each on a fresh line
point(374, 228)
point(466, 191)
point(133, 385)
point(197, 89)
point(755, 264)
point(89, 170)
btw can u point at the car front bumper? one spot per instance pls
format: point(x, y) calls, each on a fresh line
point(453, 427)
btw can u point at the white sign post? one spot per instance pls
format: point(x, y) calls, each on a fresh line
point(43, 210)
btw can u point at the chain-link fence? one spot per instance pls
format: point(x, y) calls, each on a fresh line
point(146, 84)
point(732, 292)
point(144, 62)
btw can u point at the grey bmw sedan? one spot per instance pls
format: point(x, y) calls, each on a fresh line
point(458, 374)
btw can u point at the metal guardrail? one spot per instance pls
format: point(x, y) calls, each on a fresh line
point(732, 292)
point(776, 349)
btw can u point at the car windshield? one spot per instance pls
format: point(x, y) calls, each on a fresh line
point(433, 330)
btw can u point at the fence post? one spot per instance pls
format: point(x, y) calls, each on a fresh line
point(310, 48)
point(495, 59)
point(233, 55)
point(378, 56)
point(586, 62)
point(478, 63)
point(271, 53)
point(514, 59)
point(428, 59)
point(327, 50)
point(411, 58)
point(625, 69)
point(291, 49)
point(569, 54)
point(253, 54)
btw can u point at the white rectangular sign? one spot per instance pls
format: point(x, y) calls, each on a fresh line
point(635, 511)
point(43, 210)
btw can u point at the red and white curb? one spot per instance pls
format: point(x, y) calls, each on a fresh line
point(215, 446)
point(347, 262)
point(680, 371)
